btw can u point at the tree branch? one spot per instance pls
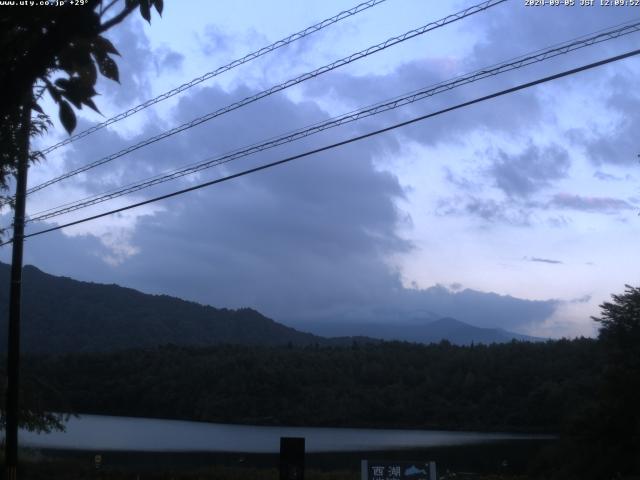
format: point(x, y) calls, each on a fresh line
point(117, 19)
point(104, 10)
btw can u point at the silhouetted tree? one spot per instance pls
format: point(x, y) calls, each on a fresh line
point(54, 50)
point(619, 417)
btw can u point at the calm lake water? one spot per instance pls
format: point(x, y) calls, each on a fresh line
point(96, 432)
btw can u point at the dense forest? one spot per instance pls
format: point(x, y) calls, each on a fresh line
point(517, 386)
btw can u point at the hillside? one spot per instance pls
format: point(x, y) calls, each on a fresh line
point(65, 315)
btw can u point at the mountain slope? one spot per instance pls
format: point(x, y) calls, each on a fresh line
point(65, 315)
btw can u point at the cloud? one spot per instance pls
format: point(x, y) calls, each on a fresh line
point(608, 102)
point(461, 182)
point(567, 320)
point(527, 29)
point(605, 205)
point(559, 221)
point(215, 40)
point(309, 236)
point(606, 177)
point(308, 240)
point(135, 60)
point(168, 60)
point(533, 169)
point(544, 260)
point(616, 144)
point(488, 210)
point(484, 309)
point(503, 114)
point(138, 64)
point(315, 239)
point(583, 299)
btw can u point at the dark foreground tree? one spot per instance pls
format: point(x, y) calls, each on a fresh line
point(619, 418)
point(601, 435)
point(54, 50)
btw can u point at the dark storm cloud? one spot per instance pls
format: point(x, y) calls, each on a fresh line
point(527, 172)
point(606, 205)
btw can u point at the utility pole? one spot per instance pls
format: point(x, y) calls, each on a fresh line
point(15, 294)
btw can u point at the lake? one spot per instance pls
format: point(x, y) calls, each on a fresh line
point(97, 432)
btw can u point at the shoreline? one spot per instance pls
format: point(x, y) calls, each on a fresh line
point(111, 433)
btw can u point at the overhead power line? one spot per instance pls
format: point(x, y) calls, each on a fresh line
point(520, 62)
point(277, 88)
point(225, 68)
point(523, 86)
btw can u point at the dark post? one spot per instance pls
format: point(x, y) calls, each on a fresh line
point(15, 293)
point(291, 458)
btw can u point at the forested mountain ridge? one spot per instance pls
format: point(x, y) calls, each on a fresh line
point(65, 315)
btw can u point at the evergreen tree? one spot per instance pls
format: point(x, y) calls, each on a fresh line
point(619, 417)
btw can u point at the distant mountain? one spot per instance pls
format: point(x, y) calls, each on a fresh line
point(429, 331)
point(65, 315)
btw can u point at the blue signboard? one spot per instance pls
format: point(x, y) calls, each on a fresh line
point(397, 470)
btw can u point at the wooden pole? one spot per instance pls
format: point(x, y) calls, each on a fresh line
point(15, 297)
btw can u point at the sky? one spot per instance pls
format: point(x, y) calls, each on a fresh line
point(520, 212)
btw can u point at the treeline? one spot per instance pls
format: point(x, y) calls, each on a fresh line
point(517, 386)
